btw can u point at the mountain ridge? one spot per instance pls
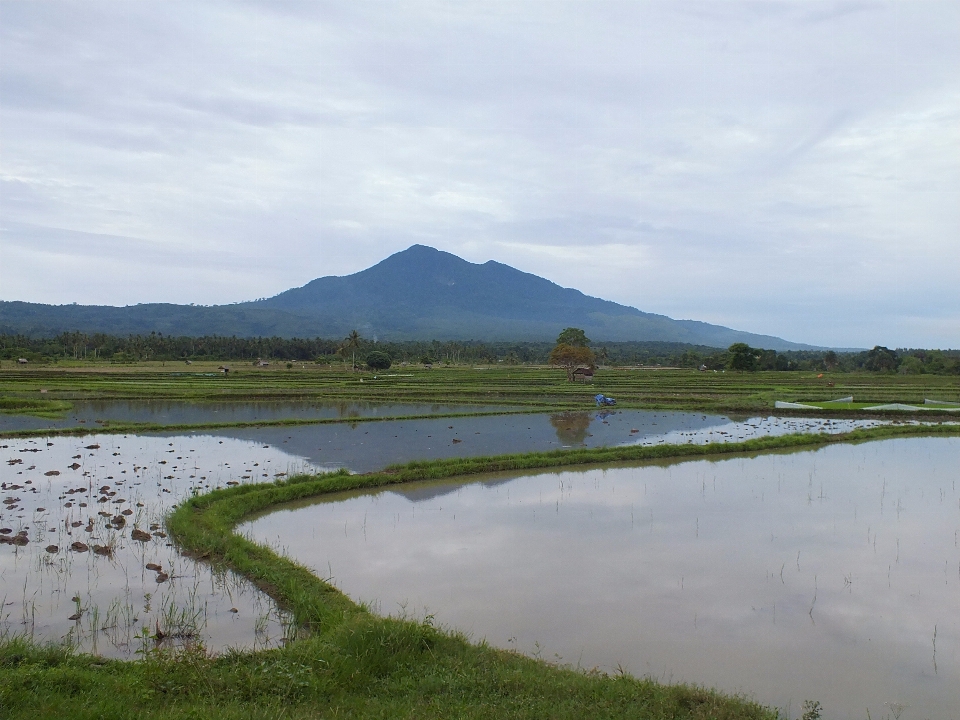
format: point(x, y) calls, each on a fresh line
point(420, 293)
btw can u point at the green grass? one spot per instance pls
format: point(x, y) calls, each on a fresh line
point(353, 663)
point(38, 407)
point(519, 386)
point(366, 667)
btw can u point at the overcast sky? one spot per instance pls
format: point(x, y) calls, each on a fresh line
point(789, 168)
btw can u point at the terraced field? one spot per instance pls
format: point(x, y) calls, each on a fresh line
point(515, 385)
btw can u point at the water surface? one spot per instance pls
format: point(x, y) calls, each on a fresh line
point(57, 486)
point(97, 490)
point(366, 447)
point(830, 574)
point(180, 412)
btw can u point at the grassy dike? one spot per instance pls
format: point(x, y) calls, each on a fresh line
point(353, 663)
point(51, 409)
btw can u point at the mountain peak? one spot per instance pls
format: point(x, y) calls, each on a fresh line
point(420, 293)
point(419, 258)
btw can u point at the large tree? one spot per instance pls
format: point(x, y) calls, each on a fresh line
point(572, 351)
point(573, 336)
point(882, 359)
point(743, 357)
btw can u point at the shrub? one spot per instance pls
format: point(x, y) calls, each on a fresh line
point(911, 366)
point(378, 360)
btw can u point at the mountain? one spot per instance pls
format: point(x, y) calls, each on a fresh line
point(419, 293)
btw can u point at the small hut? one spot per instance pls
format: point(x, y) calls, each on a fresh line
point(583, 374)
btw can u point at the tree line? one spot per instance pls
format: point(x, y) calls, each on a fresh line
point(157, 346)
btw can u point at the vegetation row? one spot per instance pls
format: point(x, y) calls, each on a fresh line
point(156, 346)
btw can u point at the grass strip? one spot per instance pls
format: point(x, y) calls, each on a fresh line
point(354, 664)
point(204, 525)
point(44, 408)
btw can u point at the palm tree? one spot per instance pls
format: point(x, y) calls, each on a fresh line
point(353, 341)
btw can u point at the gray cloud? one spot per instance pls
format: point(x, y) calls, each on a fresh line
point(787, 168)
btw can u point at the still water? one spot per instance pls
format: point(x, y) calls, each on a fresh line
point(830, 575)
point(61, 490)
point(85, 557)
point(175, 412)
point(366, 447)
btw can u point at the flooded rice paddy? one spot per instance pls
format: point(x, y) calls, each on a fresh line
point(83, 552)
point(829, 574)
point(84, 556)
point(178, 412)
point(366, 447)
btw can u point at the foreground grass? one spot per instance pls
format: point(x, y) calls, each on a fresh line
point(363, 668)
point(355, 664)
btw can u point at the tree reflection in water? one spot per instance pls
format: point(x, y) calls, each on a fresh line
point(571, 427)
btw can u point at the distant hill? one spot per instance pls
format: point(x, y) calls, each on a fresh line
point(419, 293)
